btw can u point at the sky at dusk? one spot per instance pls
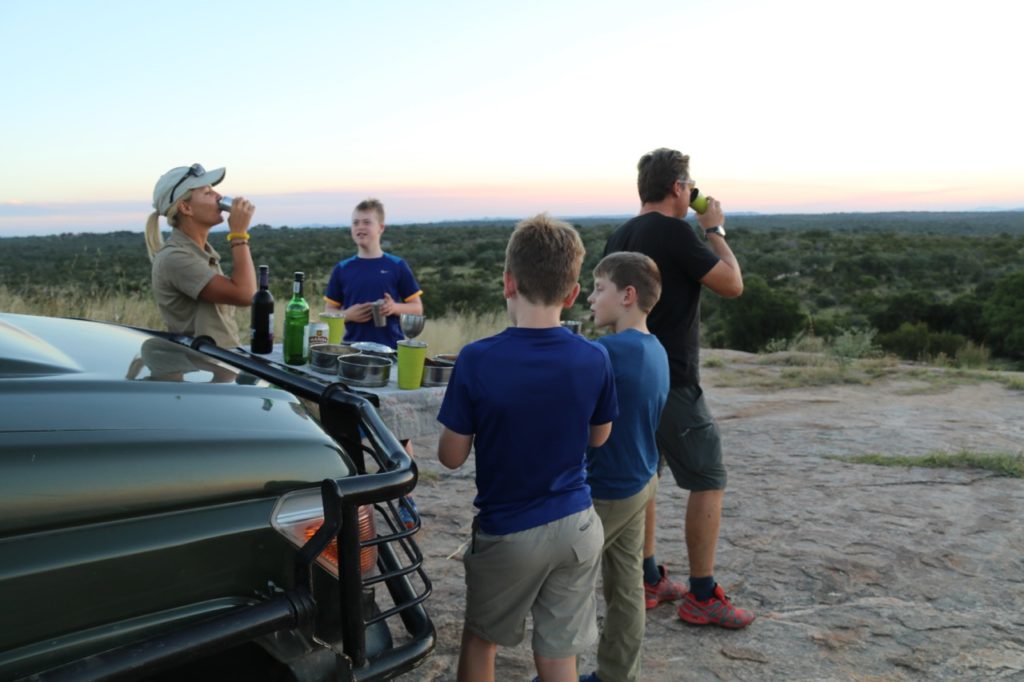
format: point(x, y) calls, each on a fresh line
point(461, 110)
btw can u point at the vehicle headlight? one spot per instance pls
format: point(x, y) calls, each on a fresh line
point(299, 515)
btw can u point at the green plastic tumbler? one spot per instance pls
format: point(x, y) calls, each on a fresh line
point(698, 202)
point(335, 325)
point(411, 357)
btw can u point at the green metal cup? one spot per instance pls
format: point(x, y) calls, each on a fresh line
point(411, 357)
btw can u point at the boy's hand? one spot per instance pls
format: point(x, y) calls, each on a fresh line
point(360, 312)
point(388, 308)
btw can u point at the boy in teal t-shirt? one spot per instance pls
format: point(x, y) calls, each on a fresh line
point(622, 473)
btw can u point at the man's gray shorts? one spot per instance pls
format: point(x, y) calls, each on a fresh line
point(689, 441)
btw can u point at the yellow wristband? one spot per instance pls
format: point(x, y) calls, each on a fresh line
point(238, 235)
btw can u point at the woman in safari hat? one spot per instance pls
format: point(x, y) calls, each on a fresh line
point(193, 294)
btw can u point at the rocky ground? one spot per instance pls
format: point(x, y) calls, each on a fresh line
point(856, 571)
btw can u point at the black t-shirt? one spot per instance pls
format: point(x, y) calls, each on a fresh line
point(683, 259)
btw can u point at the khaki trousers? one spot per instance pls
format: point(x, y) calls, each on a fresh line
point(619, 652)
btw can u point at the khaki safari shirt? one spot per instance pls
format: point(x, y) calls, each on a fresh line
point(180, 271)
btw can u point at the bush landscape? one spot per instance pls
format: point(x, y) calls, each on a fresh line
point(940, 287)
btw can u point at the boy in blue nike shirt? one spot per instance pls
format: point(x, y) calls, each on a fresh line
point(530, 400)
point(372, 275)
point(622, 473)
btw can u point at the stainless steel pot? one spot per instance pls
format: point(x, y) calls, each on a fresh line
point(436, 372)
point(323, 357)
point(364, 370)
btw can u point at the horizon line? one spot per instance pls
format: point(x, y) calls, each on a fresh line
point(511, 219)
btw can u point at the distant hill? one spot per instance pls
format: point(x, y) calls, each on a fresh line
point(932, 222)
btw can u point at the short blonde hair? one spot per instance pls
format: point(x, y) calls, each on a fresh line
point(544, 256)
point(374, 205)
point(629, 268)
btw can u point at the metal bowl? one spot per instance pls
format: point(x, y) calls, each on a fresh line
point(364, 370)
point(446, 357)
point(411, 324)
point(436, 372)
point(324, 356)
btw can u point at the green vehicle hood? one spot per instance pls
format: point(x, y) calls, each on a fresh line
point(101, 422)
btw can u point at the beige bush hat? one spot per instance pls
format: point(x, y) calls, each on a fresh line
point(173, 184)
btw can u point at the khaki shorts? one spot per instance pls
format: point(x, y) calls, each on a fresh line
point(689, 441)
point(549, 571)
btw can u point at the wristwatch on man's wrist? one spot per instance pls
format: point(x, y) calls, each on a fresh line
point(717, 229)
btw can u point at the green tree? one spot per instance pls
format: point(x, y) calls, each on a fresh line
point(1003, 313)
point(760, 315)
point(917, 341)
point(912, 307)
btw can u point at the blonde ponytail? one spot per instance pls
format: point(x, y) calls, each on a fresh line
point(154, 240)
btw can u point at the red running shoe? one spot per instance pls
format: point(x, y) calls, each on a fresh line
point(665, 590)
point(717, 610)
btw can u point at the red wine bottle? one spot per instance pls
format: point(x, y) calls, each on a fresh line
point(263, 315)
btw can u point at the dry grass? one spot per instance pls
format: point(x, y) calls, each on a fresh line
point(789, 369)
point(446, 334)
point(450, 333)
point(136, 310)
point(1000, 463)
point(795, 359)
point(776, 379)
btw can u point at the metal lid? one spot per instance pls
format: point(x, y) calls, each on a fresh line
point(373, 347)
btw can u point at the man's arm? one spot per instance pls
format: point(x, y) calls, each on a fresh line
point(725, 278)
point(453, 448)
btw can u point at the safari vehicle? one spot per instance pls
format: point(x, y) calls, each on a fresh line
point(172, 510)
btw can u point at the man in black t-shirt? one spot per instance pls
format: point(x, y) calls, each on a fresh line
point(687, 436)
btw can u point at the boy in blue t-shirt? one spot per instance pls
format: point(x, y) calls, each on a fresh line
point(530, 400)
point(369, 276)
point(622, 473)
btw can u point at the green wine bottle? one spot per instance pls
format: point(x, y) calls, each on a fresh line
point(296, 318)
